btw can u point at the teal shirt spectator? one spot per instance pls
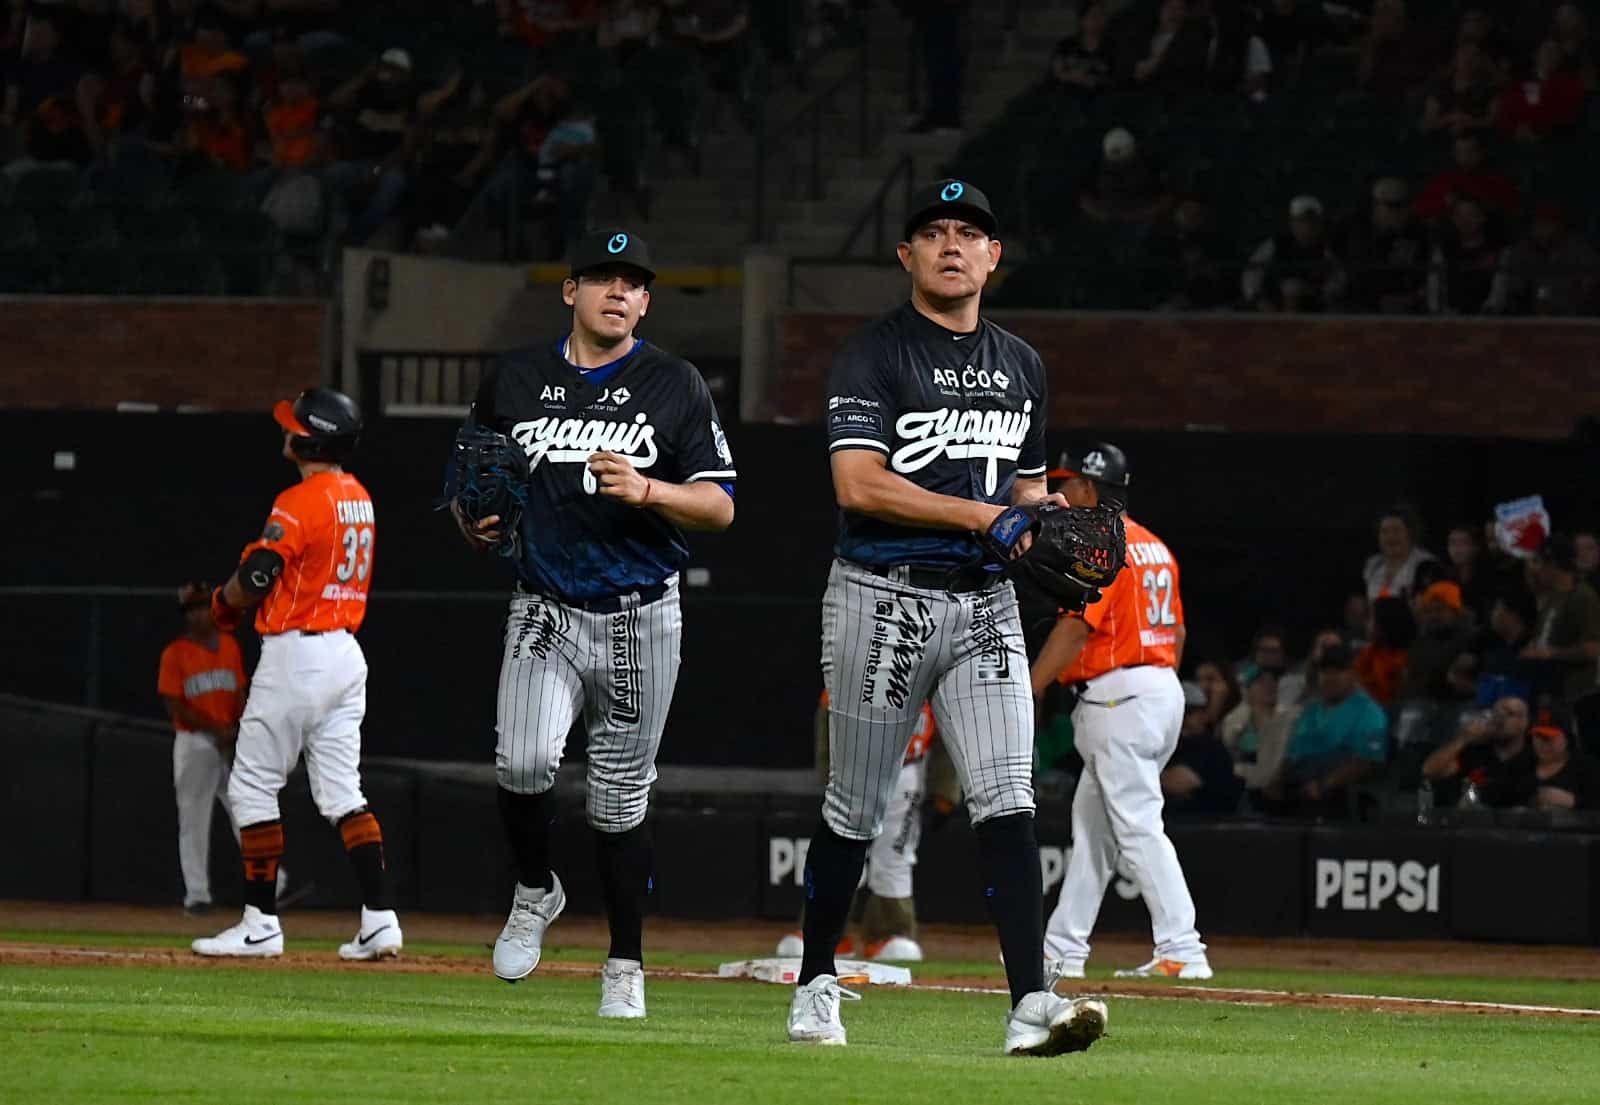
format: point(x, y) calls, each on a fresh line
point(1332, 734)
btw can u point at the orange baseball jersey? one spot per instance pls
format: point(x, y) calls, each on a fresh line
point(1137, 618)
point(211, 683)
point(323, 528)
point(921, 737)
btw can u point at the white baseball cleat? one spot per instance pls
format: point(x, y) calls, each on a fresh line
point(1057, 969)
point(1196, 969)
point(521, 942)
point(378, 937)
point(1043, 1024)
point(256, 935)
point(622, 989)
point(896, 949)
point(792, 945)
point(814, 1012)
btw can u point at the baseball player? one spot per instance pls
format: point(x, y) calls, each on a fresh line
point(202, 683)
point(622, 451)
point(936, 432)
point(307, 577)
point(1122, 653)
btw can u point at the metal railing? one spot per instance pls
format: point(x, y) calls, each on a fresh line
point(903, 173)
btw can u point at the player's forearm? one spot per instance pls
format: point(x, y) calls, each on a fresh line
point(1445, 761)
point(184, 717)
point(1060, 649)
point(1027, 489)
point(879, 493)
point(693, 506)
point(235, 595)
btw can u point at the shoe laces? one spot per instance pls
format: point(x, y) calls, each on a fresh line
point(524, 914)
point(823, 1001)
point(619, 982)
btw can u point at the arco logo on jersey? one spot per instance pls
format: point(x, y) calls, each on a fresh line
point(575, 440)
point(961, 435)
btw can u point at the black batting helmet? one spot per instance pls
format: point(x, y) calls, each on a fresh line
point(323, 424)
point(1100, 462)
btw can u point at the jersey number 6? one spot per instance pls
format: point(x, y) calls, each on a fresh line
point(1158, 589)
point(357, 546)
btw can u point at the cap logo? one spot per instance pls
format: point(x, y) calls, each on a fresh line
point(617, 244)
point(321, 424)
point(952, 191)
point(1094, 464)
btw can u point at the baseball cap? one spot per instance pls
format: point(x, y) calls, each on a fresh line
point(1391, 190)
point(949, 199)
point(194, 593)
point(1118, 144)
point(1446, 591)
point(1305, 207)
point(1100, 461)
point(611, 248)
point(396, 57)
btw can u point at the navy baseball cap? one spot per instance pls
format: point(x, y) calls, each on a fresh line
point(949, 199)
point(611, 248)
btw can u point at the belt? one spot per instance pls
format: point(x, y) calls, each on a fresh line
point(928, 578)
point(610, 604)
point(1084, 685)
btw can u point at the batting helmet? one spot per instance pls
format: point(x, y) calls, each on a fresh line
point(323, 424)
point(1100, 462)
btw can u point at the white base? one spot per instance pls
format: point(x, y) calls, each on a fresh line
point(787, 971)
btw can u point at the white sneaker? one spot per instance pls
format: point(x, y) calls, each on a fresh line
point(1196, 969)
point(256, 934)
point(521, 942)
point(793, 945)
point(814, 1012)
point(622, 988)
point(896, 949)
point(1043, 1024)
point(377, 938)
point(1057, 969)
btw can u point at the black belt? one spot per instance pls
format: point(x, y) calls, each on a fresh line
point(610, 604)
point(927, 578)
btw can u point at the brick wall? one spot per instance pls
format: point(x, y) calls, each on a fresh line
point(95, 353)
point(1498, 378)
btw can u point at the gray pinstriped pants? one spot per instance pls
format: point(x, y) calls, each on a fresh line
point(886, 648)
point(618, 668)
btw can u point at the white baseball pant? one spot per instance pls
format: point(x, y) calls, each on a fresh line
point(200, 780)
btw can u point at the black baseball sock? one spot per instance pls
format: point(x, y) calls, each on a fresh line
point(1008, 858)
point(833, 868)
point(627, 876)
point(363, 841)
point(261, 847)
point(528, 820)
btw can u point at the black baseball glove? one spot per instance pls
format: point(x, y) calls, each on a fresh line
point(1075, 550)
point(491, 478)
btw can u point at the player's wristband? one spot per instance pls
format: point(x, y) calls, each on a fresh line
point(224, 615)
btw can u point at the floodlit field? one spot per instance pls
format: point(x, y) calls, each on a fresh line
point(116, 1010)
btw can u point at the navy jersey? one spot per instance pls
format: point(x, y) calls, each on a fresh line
point(957, 414)
point(650, 407)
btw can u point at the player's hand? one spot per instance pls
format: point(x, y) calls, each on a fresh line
point(619, 479)
point(481, 534)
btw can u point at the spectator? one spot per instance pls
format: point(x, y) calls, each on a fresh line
point(1563, 778)
point(1296, 271)
point(1464, 100)
point(529, 114)
point(378, 139)
point(1469, 275)
point(1081, 64)
point(937, 26)
point(627, 29)
point(1177, 54)
point(1552, 272)
point(1493, 664)
point(1127, 189)
point(1570, 29)
point(1381, 664)
point(1546, 104)
point(311, 24)
point(1189, 260)
point(118, 101)
point(1387, 255)
point(1221, 689)
point(716, 31)
point(1463, 545)
point(1198, 781)
point(1256, 732)
point(40, 100)
point(1490, 752)
point(1566, 640)
point(1339, 740)
point(1586, 555)
point(1268, 652)
point(1479, 27)
point(1285, 32)
point(216, 134)
point(292, 127)
point(1443, 633)
point(1469, 176)
point(1357, 613)
point(1393, 54)
point(1392, 569)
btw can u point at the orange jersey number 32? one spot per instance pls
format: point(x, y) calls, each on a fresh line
point(1137, 618)
point(324, 529)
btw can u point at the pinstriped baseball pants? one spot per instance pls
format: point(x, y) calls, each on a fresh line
point(618, 669)
point(886, 648)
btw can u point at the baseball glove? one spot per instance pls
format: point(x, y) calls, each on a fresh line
point(491, 478)
point(1075, 550)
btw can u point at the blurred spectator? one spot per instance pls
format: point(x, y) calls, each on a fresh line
point(1493, 662)
point(717, 32)
point(377, 138)
point(1478, 26)
point(552, 27)
point(1189, 259)
point(1570, 28)
point(1491, 752)
point(1393, 568)
point(292, 125)
point(1394, 54)
point(1081, 64)
point(1357, 614)
point(1470, 176)
point(627, 29)
point(1563, 777)
point(1177, 54)
point(1340, 739)
point(1283, 34)
point(1295, 271)
point(1469, 275)
point(1381, 664)
point(216, 134)
point(1586, 555)
point(1463, 100)
point(1127, 188)
point(40, 101)
point(119, 100)
point(937, 25)
point(209, 51)
point(1269, 652)
point(1198, 781)
point(1221, 688)
point(1256, 732)
point(1566, 640)
point(1463, 547)
point(312, 24)
point(1443, 633)
point(1544, 104)
point(1552, 271)
point(1387, 255)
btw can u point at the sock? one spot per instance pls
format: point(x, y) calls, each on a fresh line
point(261, 845)
point(833, 868)
point(1008, 858)
point(627, 877)
point(363, 842)
point(528, 819)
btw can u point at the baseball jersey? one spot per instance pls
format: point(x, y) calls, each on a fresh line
point(921, 736)
point(323, 528)
point(956, 414)
point(648, 406)
point(209, 681)
point(1137, 618)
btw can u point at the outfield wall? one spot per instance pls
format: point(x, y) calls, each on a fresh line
point(88, 814)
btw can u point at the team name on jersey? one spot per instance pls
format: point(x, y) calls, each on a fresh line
point(961, 435)
point(1145, 553)
point(575, 440)
point(338, 592)
point(355, 512)
point(205, 682)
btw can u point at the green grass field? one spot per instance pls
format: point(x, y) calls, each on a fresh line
point(115, 1033)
